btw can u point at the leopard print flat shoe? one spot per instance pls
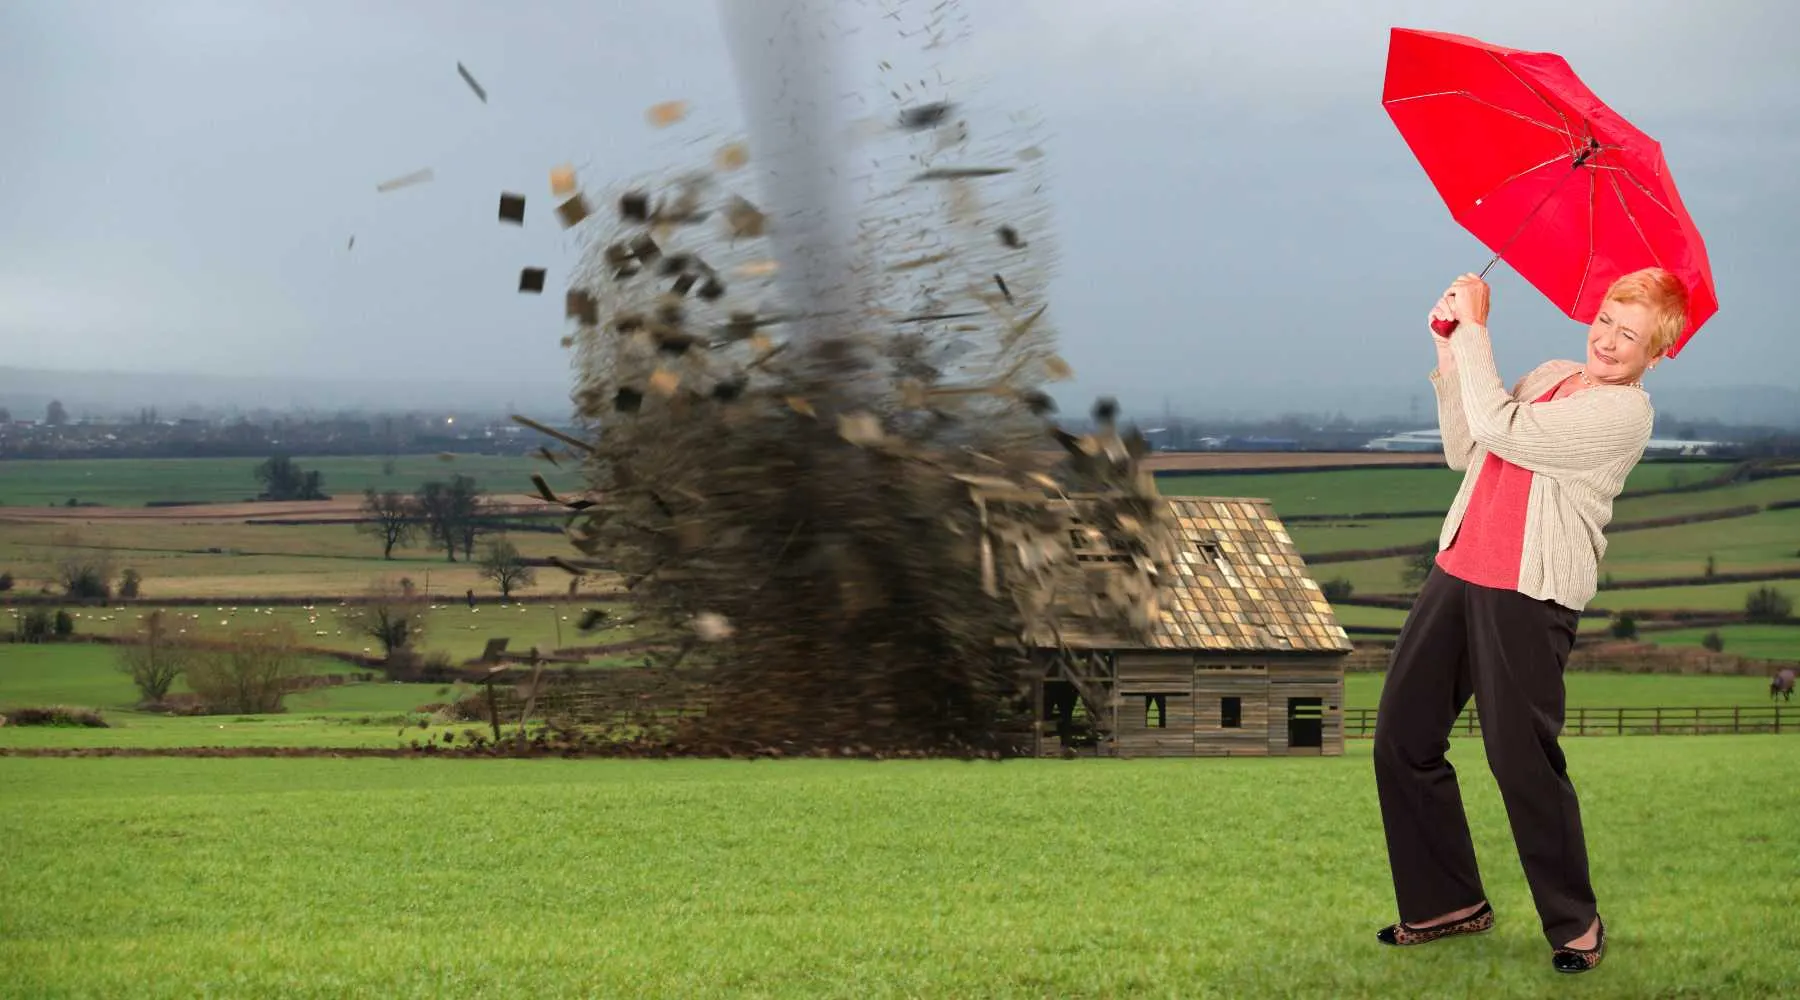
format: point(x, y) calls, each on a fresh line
point(1571, 960)
point(1401, 934)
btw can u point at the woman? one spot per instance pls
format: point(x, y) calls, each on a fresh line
point(1517, 560)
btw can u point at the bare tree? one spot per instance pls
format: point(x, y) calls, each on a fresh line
point(393, 517)
point(56, 414)
point(501, 563)
point(390, 616)
point(83, 569)
point(251, 675)
point(466, 497)
point(154, 657)
point(450, 512)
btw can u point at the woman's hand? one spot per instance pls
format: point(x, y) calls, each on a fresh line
point(1441, 312)
point(1468, 298)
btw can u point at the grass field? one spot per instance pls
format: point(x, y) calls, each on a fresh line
point(84, 675)
point(134, 482)
point(415, 878)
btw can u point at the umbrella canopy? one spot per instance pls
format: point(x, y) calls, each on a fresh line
point(1557, 184)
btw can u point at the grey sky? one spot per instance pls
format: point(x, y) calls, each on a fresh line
point(1237, 215)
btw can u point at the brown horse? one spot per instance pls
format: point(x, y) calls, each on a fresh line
point(1782, 684)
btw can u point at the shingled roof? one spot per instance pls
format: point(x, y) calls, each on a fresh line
point(1240, 586)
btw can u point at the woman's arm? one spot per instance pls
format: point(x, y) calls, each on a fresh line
point(1459, 445)
point(1569, 435)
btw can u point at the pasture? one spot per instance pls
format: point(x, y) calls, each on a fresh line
point(416, 878)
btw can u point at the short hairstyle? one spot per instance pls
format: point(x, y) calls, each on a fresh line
point(1666, 296)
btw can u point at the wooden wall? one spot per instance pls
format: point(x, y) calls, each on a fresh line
point(1193, 690)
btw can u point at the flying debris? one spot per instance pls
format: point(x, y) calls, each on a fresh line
point(469, 78)
point(406, 180)
point(960, 173)
point(666, 113)
point(562, 181)
point(512, 209)
point(531, 280)
point(828, 480)
point(924, 116)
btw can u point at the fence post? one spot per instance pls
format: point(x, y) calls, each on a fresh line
point(1658, 720)
point(1621, 722)
point(1735, 710)
point(1696, 720)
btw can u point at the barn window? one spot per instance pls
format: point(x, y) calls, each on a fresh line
point(1156, 711)
point(1231, 713)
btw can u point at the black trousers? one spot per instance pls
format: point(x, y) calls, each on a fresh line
point(1508, 651)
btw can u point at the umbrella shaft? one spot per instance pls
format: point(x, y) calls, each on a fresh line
point(1575, 169)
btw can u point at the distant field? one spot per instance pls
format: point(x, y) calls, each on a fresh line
point(1766, 541)
point(1770, 642)
point(134, 482)
point(84, 674)
point(1590, 690)
point(1364, 491)
point(456, 629)
point(349, 715)
point(1716, 597)
point(1761, 542)
point(260, 560)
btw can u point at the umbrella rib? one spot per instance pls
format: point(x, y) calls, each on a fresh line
point(1587, 269)
point(1527, 170)
point(1505, 111)
point(1545, 101)
point(1623, 207)
point(1646, 192)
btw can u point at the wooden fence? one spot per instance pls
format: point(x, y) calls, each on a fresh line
point(1695, 721)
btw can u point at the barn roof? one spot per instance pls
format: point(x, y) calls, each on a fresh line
point(1240, 586)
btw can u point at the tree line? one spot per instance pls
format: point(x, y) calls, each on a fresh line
point(449, 515)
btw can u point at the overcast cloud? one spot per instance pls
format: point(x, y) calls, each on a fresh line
point(1237, 215)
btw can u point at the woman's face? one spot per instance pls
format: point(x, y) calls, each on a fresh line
point(1618, 346)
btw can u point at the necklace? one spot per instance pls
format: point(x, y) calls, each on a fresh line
point(1590, 383)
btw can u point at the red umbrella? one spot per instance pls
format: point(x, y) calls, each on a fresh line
point(1542, 172)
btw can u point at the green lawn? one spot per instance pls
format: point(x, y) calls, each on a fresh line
point(133, 482)
point(432, 878)
point(1770, 642)
point(1363, 491)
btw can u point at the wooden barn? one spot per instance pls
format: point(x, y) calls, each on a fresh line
point(1245, 659)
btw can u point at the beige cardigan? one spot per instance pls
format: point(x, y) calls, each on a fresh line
point(1579, 449)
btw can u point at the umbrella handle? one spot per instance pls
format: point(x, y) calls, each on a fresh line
point(1443, 327)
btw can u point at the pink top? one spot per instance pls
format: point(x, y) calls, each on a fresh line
point(1490, 542)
